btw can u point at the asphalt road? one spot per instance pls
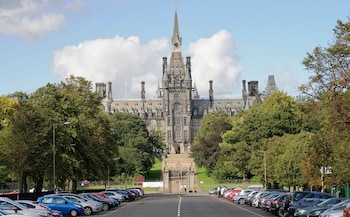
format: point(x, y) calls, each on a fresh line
point(187, 205)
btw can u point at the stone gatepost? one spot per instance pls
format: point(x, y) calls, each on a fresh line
point(166, 181)
point(191, 182)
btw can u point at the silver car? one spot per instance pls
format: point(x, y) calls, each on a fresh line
point(115, 195)
point(13, 207)
point(6, 214)
point(336, 210)
point(90, 206)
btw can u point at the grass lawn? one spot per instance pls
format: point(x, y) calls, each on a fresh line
point(155, 174)
point(205, 183)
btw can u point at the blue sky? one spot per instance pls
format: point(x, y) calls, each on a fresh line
point(123, 41)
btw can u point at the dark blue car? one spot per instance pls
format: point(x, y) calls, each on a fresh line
point(300, 199)
point(67, 207)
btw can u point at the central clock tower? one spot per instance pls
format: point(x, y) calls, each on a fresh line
point(177, 90)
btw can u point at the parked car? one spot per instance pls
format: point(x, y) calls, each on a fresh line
point(241, 196)
point(227, 192)
point(300, 199)
point(31, 204)
point(89, 205)
point(248, 200)
point(136, 192)
point(106, 203)
point(128, 195)
point(57, 202)
point(256, 198)
point(233, 193)
point(6, 214)
point(213, 190)
point(140, 191)
point(277, 203)
point(268, 200)
point(331, 211)
point(304, 212)
point(13, 207)
point(115, 195)
point(346, 212)
point(114, 202)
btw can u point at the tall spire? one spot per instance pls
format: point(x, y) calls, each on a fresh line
point(176, 39)
point(176, 70)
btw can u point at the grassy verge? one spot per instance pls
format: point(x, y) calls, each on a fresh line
point(205, 183)
point(156, 172)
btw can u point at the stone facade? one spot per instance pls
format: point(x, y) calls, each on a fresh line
point(178, 109)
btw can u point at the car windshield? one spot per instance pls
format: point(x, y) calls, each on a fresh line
point(298, 195)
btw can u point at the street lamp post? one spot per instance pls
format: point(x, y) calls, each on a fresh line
point(265, 169)
point(54, 152)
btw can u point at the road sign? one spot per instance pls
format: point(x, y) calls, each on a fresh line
point(326, 170)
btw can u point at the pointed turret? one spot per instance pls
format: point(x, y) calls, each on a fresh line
point(176, 70)
point(195, 91)
point(165, 69)
point(159, 92)
point(176, 39)
point(270, 86)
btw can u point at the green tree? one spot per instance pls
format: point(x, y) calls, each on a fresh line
point(328, 87)
point(205, 148)
point(90, 145)
point(83, 148)
point(246, 142)
point(21, 151)
point(138, 148)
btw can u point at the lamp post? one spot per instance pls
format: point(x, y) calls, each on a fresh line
point(265, 169)
point(54, 152)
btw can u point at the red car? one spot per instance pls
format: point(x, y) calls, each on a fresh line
point(233, 193)
point(346, 212)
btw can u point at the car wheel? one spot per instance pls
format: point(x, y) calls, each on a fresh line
point(73, 213)
point(241, 201)
point(105, 207)
point(87, 211)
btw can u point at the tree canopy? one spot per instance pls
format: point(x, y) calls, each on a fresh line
point(64, 124)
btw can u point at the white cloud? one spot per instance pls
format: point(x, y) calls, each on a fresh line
point(213, 59)
point(29, 19)
point(126, 62)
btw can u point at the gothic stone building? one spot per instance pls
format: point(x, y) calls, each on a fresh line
point(178, 109)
